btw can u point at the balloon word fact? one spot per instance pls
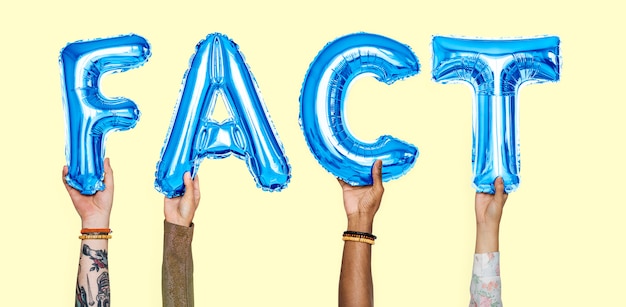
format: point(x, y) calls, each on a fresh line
point(494, 69)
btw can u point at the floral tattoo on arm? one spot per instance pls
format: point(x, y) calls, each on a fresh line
point(100, 261)
point(99, 257)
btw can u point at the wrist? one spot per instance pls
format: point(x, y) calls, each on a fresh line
point(178, 221)
point(487, 240)
point(95, 223)
point(360, 223)
point(486, 227)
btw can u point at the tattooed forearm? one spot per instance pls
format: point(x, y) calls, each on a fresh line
point(104, 293)
point(98, 263)
point(100, 258)
point(91, 302)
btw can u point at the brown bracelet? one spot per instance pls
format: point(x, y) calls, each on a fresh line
point(359, 234)
point(97, 237)
point(95, 230)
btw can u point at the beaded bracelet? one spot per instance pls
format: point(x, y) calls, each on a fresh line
point(92, 237)
point(362, 240)
point(95, 230)
point(359, 234)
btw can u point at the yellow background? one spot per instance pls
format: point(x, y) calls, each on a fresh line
point(562, 235)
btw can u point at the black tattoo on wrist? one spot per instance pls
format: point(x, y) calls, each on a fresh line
point(99, 257)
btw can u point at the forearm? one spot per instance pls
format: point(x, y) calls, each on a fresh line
point(487, 239)
point(177, 269)
point(355, 281)
point(92, 284)
point(485, 288)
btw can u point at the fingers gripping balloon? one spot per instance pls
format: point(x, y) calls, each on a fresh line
point(495, 69)
point(218, 68)
point(322, 101)
point(89, 115)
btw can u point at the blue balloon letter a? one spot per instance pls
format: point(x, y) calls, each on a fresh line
point(495, 69)
point(89, 115)
point(218, 68)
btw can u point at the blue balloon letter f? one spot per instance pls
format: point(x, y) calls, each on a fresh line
point(89, 115)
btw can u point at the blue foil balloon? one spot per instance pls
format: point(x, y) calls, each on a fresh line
point(90, 116)
point(322, 106)
point(218, 68)
point(495, 70)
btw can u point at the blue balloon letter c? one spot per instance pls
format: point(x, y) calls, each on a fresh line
point(322, 106)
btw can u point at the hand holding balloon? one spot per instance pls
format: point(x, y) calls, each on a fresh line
point(489, 209)
point(362, 202)
point(181, 210)
point(94, 210)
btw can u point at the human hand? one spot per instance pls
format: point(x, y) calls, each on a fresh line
point(180, 210)
point(362, 202)
point(489, 206)
point(94, 210)
point(488, 214)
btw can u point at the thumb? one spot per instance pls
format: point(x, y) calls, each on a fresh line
point(377, 174)
point(499, 184)
point(189, 185)
point(108, 174)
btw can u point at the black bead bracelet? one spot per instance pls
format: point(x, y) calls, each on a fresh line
point(359, 234)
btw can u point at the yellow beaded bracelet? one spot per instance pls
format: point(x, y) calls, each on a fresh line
point(90, 237)
point(362, 240)
point(358, 236)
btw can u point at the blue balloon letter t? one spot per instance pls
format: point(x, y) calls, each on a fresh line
point(495, 69)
